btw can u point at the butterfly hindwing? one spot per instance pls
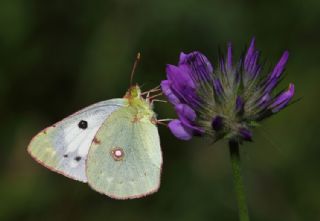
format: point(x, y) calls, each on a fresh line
point(125, 159)
point(64, 146)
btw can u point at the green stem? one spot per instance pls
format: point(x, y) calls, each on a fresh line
point(237, 180)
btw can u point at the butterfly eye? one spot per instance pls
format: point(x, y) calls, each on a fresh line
point(83, 124)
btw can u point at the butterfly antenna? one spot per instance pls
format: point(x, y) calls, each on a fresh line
point(134, 67)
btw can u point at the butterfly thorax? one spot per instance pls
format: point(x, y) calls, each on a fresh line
point(141, 106)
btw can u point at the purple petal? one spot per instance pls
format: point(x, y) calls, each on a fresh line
point(181, 84)
point(270, 85)
point(264, 100)
point(229, 56)
point(276, 73)
point(193, 69)
point(239, 104)
point(250, 52)
point(197, 58)
point(222, 65)
point(189, 96)
point(217, 123)
point(252, 66)
point(218, 86)
point(283, 99)
point(179, 75)
point(179, 131)
point(278, 69)
point(166, 89)
point(187, 116)
point(182, 58)
point(186, 113)
point(199, 66)
point(245, 133)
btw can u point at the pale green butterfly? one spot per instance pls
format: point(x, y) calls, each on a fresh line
point(113, 145)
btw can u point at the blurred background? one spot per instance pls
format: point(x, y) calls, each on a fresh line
point(59, 56)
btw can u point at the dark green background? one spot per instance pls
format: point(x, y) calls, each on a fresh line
point(59, 56)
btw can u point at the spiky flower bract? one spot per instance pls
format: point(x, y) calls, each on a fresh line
point(226, 101)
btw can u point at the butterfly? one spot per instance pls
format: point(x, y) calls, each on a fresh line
point(113, 145)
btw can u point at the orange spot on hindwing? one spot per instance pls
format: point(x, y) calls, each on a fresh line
point(96, 140)
point(117, 153)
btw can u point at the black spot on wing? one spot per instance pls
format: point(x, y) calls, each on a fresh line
point(83, 124)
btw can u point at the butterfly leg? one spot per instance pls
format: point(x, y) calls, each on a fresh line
point(156, 89)
point(157, 100)
point(163, 121)
point(154, 96)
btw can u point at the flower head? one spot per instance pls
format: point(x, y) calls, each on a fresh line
point(226, 101)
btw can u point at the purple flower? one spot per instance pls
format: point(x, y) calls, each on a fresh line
point(226, 101)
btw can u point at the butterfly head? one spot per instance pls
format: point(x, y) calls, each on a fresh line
point(134, 92)
point(142, 105)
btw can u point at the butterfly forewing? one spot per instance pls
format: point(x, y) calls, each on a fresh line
point(64, 146)
point(125, 159)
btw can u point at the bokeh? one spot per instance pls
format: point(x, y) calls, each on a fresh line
point(59, 56)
